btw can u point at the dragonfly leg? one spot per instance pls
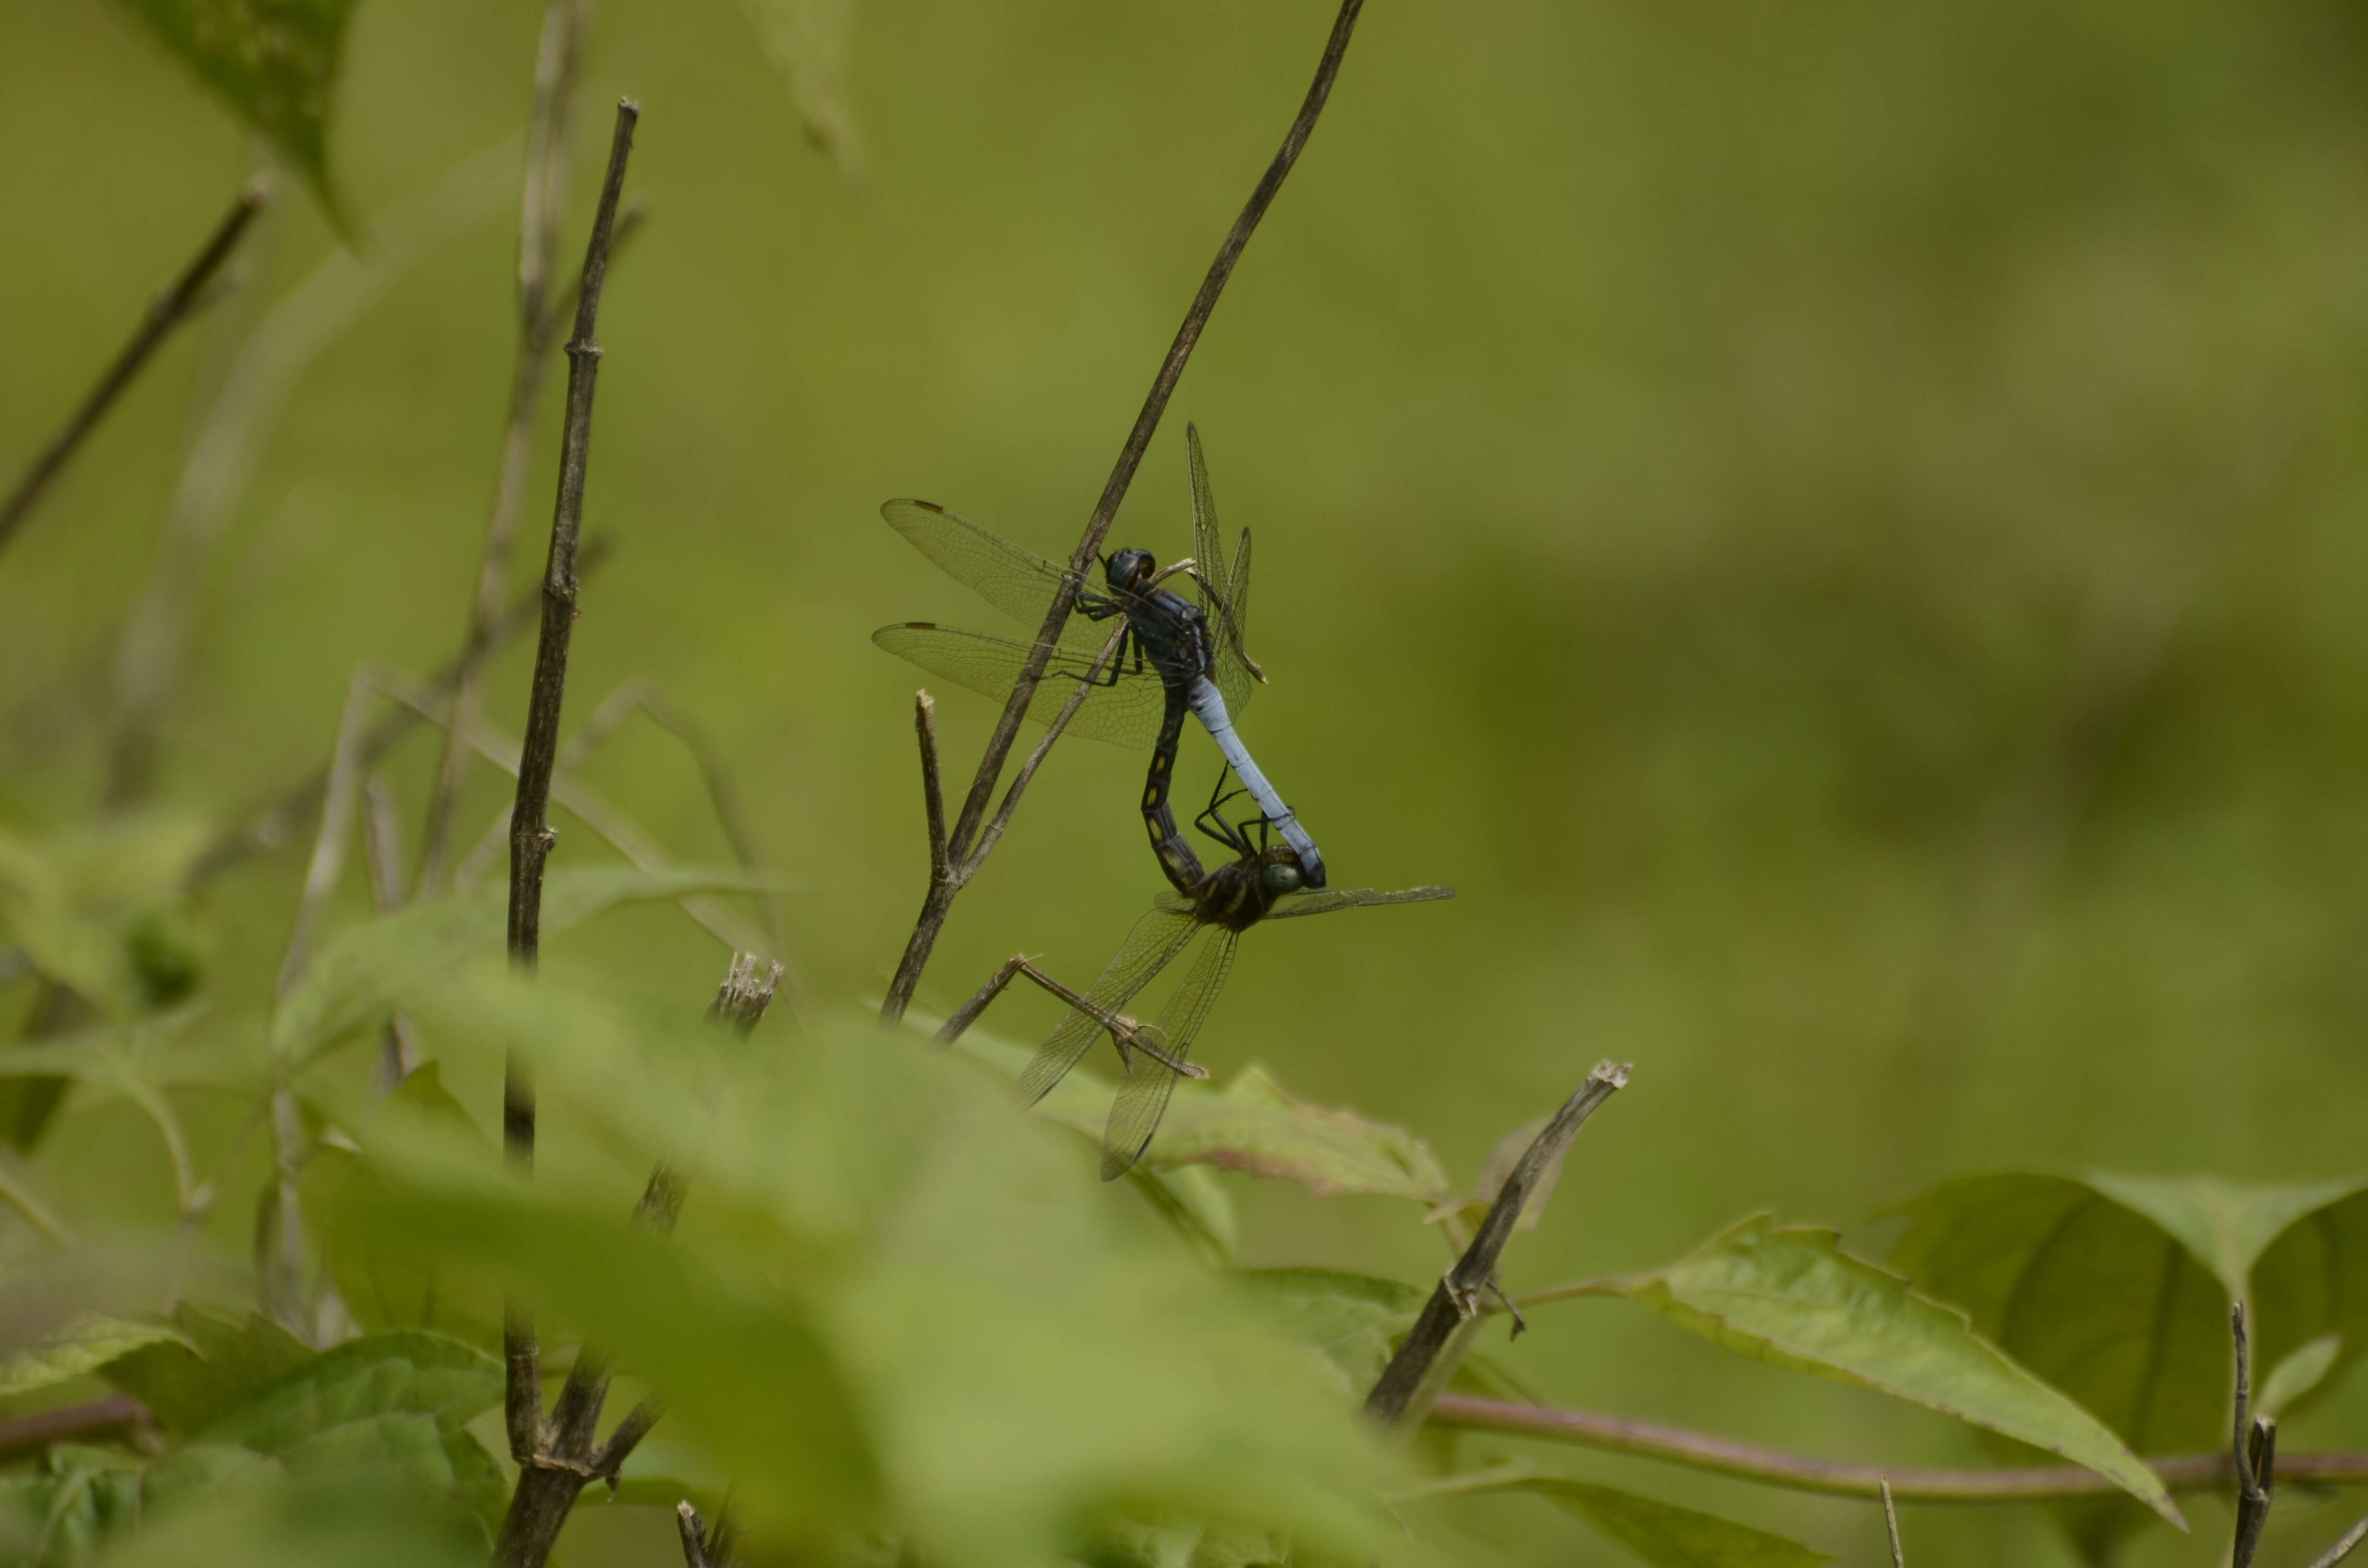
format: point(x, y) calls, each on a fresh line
point(1212, 819)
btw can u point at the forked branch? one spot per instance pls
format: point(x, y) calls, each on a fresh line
point(1454, 1304)
point(2253, 1450)
point(966, 831)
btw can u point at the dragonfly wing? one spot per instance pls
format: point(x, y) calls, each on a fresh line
point(1325, 902)
point(1018, 582)
point(1153, 943)
point(1142, 1096)
point(1208, 542)
point(1237, 590)
point(1221, 580)
point(1126, 712)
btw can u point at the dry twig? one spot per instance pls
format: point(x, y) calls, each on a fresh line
point(1421, 1361)
point(702, 1546)
point(546, 1486)
point(2253, 1449)
point(189, 293)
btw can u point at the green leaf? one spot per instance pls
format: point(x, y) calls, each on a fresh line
point(1191, 1199)
point(1661, 1534)
point(808, 42)
point(385, 1283)
point(1792, 1297)
point(366, 1521)
point(959, 1306)
point(404, 1373)
point(392, 1402)
point(2226, 1225)
point(197, 1470)
point(1353, 1319)
point(2298, 1375)
point(353, 981)
point(77, 1350)
point(2115, 1289)
point(212, 1365)
point(2312, 1282)
point(99, 909)
point(273, 61)
point(1252, 1125)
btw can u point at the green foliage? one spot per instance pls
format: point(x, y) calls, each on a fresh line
point(344, 1523)
point(351, 984)
point(383, 1414)
point(208, 1368)
point(2311, 1283)
point(2116, 1291)
point(1669, 1536)
point(96, 908)
point(1661, 1534)
point(384, 1283)
point(984, 1353)
point(1791, 1296)
point(273, 61)
point(1252, 1124)
point(1353, 1319)
point(81, 1347)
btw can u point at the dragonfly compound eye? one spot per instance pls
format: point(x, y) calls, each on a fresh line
point(1127, 567)
point(1282, 879)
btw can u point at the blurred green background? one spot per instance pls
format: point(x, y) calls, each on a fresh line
point(1836, 526)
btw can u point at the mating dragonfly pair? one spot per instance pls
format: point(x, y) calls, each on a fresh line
point(1168, 656)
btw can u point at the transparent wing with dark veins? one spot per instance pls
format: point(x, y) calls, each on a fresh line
point(1325, 902)
point(1126, 712)
point(1150, 947)
point(1224, 584)
point(1143, 1095)
point(1018, 582)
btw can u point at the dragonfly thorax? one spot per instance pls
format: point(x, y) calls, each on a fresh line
point(1240, 893)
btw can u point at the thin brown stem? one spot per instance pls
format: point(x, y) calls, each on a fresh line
point(541, 1504)
point(1698, 1451)
point(1891, 1524)
point(940, 900)
point(189, 293)
point(530, 836)
point(542, 203)
point(116, 1414)
point(1124, 1031)
point(933, 794)
point(2253, 1450)
point(1419, 1367)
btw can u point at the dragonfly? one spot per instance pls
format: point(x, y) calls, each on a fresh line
point(1262, 881)
point(1174, 656)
